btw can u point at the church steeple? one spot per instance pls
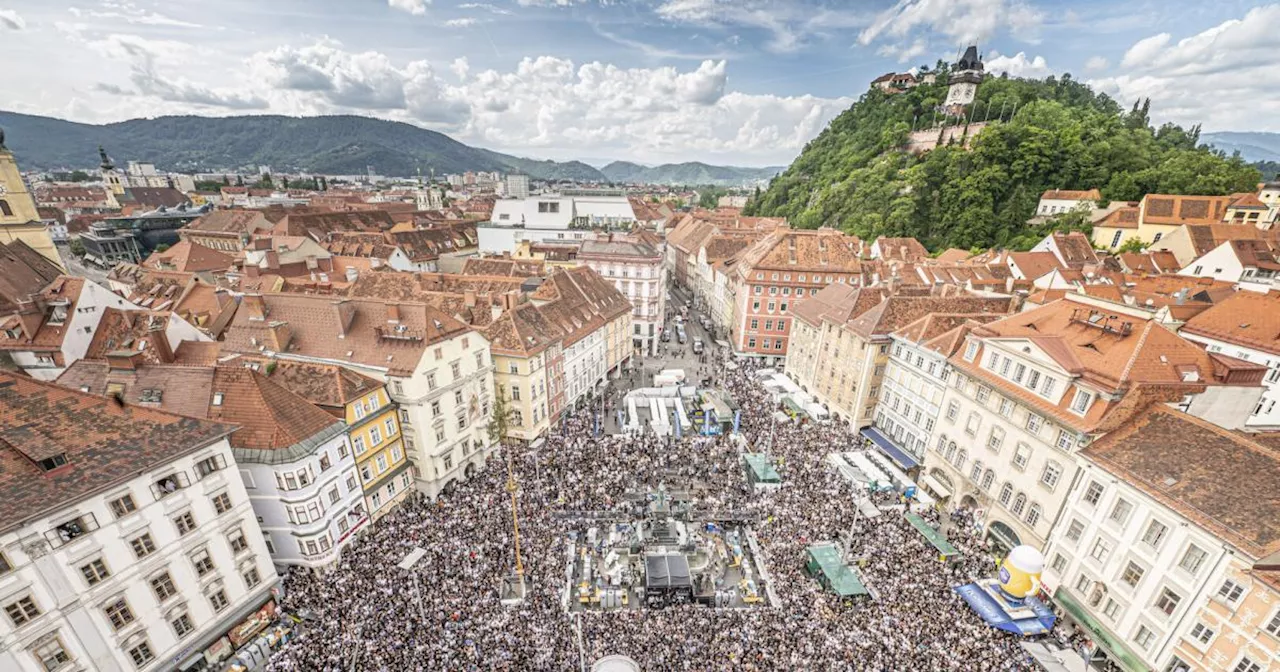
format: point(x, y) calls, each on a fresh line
point(2, 147)
point(106, 160)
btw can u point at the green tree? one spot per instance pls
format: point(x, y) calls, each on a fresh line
point(76, 247)
point(1132, 245)
point(503, 417)
point(162, 247)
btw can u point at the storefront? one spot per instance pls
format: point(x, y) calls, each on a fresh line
point(244, 645)
point(1103, 650)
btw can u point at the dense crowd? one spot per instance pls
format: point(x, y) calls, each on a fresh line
point(445, 613)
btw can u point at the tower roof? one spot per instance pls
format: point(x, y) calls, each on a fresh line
point(106, 161)
point(970, 60)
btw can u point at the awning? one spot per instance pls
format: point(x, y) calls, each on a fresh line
point(1054, 659)
point(932, 483)
point(902, 457)
point(936, 538)
point(1116, 650)
point(991, 611)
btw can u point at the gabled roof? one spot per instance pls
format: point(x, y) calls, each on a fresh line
point(189, 257)
point(1200, 471)
point(186, 390)
point(895, 312)
point(1249, 319)
point(1068, 195)
point(328, 386)
point(1126, 217)
point(1034, 265)
point(105, 444)
point(230, 221)
point(270, 417)
point(23, 272)
point(1172, 209)
point(134, 331)
point(792, 250)
point(953, 255)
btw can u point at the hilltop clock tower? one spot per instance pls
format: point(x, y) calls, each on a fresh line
point(966, 75)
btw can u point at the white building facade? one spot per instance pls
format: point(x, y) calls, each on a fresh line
point(636, 270)
point(137, 576)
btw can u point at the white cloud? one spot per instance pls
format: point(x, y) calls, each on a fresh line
point(903, 52)
point(1222, 76)
point(1018, 65)
point(786, 23)
point(11, 20)
point(963, 21)
point(415, 7)
point(143, 56)
point(1144, 50)
point(485, 6)
point(1096, 63)
point(464, 22)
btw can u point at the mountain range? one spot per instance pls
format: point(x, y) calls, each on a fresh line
point(692, 172)
point(1252, 146)
point(329, 145)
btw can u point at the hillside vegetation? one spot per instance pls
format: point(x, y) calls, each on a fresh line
point(854, 175)
point(693, 172)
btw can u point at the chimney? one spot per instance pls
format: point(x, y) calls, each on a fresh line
point(252, 271)
point(352, 273)
point(160, 342)
point(495, 309)
point(256, 306)
point(345, 311)
point(393, 314)
point(280, 335)
point(271, 259)
point(469, 298)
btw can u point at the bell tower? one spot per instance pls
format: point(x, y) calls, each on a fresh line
point(19, 218)
point(110, 176)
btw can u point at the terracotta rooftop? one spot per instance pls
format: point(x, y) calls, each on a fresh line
point(1249, 319)
point(185, 390)
point(933, 325)
point(270, 416)
point(1121, 218)
point(895, 312)
point(134, 331)
point(1034, 265)
point(823, 250)
point(1199, 470)
point(1075, 248)
point(230, 221)
point(901, 249)
point(1174, 210)
point(953, 256)
point(328, 386)
point(23, 272)
point(33, 326)
point(1068, 195)
point(197, 353)
point(499, 266)
point(189, 257)
point(104, 443)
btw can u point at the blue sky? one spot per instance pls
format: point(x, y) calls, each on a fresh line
point(745, 82)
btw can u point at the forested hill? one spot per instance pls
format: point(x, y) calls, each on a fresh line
point(855, 176)
point(332, 145)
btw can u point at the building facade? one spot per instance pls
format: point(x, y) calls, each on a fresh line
point(635, 268)
point(145, 555)
point(19, 216)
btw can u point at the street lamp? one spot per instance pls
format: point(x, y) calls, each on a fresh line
point(519, 587)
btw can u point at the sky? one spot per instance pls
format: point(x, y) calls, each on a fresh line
point(739, 82)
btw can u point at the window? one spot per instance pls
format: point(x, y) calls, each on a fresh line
point(123, 506)
point(1230, 591)
point(375, 435)
point(182, 625)
point(1063, 442)
point(209, 465)
point(1144, 638)
point(1101, 549)
point(1192, 559)
point(251, 576)
point(358, 442)
point(325, 463)
point(1074, 530)
point(970, 351)
point(1168, 601)
point(1202, 633)
point(95, 571)
point(1006, 407)
point(141, 654)
point(143, 545)
point(1111, 609)
point(1021, 455)
point(1093, 493)
point(21, 611)
point(1047, 389)
point(1059, 563)
point(1034, 423)
point(1019, 503)
point(1132, 574)
point(390, 424)
point(51, 654)
point(1052, 474)
point(1176, 664)
point(1033, 515)
point(163, 587)
point(185, 524)
point(5, 567)
point(456, 369)
point(953, 409)
point(218, 600)
point(1273, 627)
point(222, 503)
point(1081, 403)
point(1005, 493)
point(202, 562)
point(1083, 584)
point(119, 613)
point(1033, 379)
point(996, 439)
point(971, 427)
point(1120, 512)
point(984, 393)
point(237, 542)
point(1245, 664)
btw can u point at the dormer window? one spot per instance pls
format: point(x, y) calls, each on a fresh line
point(51, 463)
point(1081, 403)
point(971, 351)
point(58, 315)
point(217, 398)
point(151, 396)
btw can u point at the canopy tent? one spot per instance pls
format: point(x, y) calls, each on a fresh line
point(936, 486)
point(1116, 650)
point(990, 610)
point(902, 457)
point(1054, 659)
point(664, 572)
point(869, 509)
point(825, 563)
point(936, 538)
point(791, 408)
point(760, 469)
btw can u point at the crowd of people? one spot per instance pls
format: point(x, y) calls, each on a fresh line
point(445, 613)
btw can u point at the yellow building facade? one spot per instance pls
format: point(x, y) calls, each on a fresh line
point(1236, 628)
point(19, 219)
point(373, 427)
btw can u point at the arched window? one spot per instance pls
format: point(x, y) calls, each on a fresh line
point(5, 209)
point(988, 479)
point(1019, 503)
point(951, 451)
point(1033, 515)
point(976, 474)
point(942, 444)
point(1005, 493)
point(960, 460)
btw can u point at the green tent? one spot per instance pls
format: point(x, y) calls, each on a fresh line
point(760, 469)
point(825, 564)
point(936, 538)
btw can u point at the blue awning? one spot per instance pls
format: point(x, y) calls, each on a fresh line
point(991, 611)
point(902, 457)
